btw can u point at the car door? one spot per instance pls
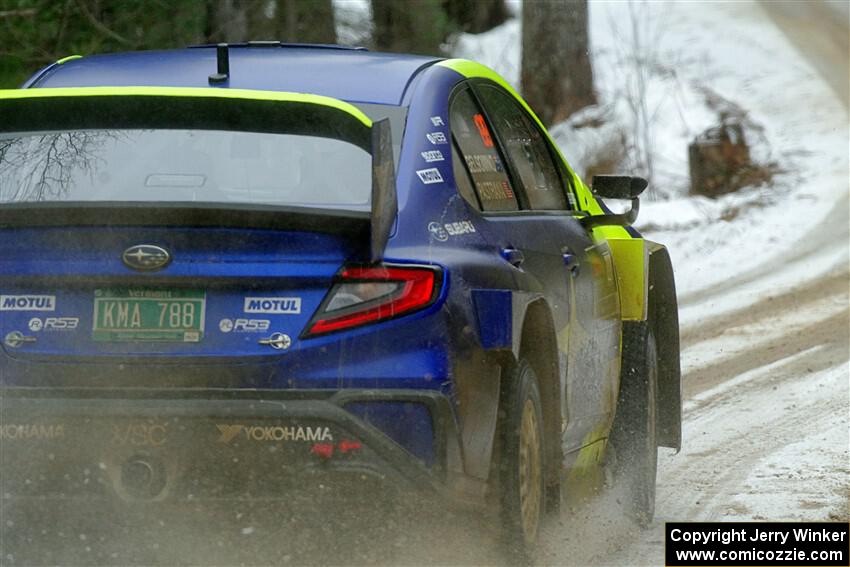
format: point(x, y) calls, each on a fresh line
point(533, 224)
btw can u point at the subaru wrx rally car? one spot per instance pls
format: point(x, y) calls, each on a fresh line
point(294, 262)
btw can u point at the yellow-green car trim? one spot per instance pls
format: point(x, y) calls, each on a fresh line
point(243, 94)
point(69, 58)
point(633, 281)
point(630, 260)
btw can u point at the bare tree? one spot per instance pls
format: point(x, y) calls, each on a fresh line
point(418, 27)
point(476, 16)
point(557, 78)
point(294, 21)
point(227, 20)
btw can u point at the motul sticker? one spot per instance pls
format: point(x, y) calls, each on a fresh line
point(27, 302)
point(275, 305)
point(429, 176)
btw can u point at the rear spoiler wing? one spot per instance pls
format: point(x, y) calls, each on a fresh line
point(24, 110)
point(384, 194)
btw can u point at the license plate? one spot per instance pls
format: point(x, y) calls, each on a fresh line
point(149, 315)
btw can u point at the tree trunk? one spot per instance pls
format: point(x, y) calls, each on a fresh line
point(226, 21)
point(306, 21)
point(476, 16)
point(409, 27)
point(557, 79)
point(293, 21)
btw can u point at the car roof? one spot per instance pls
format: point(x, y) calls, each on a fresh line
point(353, 75)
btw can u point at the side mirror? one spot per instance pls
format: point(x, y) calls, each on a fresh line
point(616, 187)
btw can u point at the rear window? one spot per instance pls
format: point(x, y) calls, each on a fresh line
point(157, 148)
point(183, 165)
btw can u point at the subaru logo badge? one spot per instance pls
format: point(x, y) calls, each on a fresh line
point(146, 258)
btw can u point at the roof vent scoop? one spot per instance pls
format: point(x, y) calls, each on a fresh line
point(223, 57)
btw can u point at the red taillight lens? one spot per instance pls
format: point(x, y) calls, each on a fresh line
point(364, 295)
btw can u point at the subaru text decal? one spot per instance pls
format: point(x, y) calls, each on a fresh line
point(442, 232)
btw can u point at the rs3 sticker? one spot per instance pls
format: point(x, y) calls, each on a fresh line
point(54, 324)
point(244, 325)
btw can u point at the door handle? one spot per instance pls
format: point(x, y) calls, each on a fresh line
point(514, 257)
point(572, 263)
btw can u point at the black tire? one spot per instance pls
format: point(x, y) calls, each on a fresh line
point(633, 436)
point(522, 460)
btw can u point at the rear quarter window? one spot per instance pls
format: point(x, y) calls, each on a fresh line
point(480, 155)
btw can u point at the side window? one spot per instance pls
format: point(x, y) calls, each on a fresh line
point(480, 155)
point(527, 150)
point(464, 184)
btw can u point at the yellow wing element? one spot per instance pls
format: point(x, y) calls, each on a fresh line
point(191, 92)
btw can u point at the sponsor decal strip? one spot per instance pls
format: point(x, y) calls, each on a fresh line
point(27, 302)
point(275, 305)
point(442, 232)
point(432, 156)
point(437, 138)
point(429, 176)
point(229, 432)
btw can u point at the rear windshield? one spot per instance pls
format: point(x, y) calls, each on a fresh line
point(186, 149)
point(182, 165)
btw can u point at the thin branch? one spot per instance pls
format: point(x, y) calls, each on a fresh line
point(98, 25)
point(22, 13)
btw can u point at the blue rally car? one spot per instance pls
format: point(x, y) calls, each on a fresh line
point(293, 263)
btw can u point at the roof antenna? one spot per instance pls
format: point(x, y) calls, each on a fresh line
point(223, 64)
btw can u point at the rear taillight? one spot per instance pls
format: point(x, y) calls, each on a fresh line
point(363, 295)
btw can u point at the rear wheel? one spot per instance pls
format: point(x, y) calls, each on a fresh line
point(522, 460)
point(633, 436)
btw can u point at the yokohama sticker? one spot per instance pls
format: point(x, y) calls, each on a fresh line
point(429, 176)
point(272, 433)
point(25, 431)
point(432, 156)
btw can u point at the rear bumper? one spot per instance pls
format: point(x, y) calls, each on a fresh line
point(161, 444)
